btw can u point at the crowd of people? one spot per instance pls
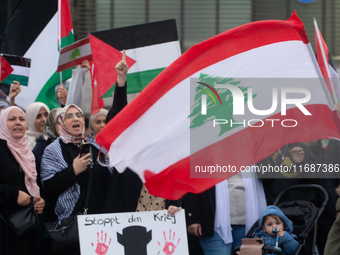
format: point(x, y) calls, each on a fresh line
point(41, 160)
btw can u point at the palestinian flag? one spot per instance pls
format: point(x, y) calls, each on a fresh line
point(326, 65)
point(21, 69)
point(162, 134)
point(105, 59)
point(33, 33)
point(153, 46)
point(6, 68)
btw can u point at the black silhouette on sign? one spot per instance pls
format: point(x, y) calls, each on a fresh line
point(134, 239)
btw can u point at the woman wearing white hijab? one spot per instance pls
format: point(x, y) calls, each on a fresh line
point(17, 180)
point(36, 115)
point(97, 122)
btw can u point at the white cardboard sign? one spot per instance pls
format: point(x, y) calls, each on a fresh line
point(142, 233)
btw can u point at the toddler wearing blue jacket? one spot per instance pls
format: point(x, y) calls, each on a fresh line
point(272, 218)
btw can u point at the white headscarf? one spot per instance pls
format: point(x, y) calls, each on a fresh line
point(31, 115)
point(94, 117)
point(65, 135)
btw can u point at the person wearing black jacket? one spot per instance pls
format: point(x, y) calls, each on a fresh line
point(221, 216)
point(273, 183)
point(332, 185)
point(17, 181)
point(127, 192)
point(65, 174)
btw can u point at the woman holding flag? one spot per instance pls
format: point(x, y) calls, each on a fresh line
point(127, 192)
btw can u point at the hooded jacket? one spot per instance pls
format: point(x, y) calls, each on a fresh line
point(287, 242)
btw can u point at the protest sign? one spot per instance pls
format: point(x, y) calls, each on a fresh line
point(151, 232)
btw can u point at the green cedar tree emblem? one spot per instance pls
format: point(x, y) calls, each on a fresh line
point(75, 54)
point(215, 111)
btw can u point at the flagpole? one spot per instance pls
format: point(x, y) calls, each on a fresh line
point(335, 99)
point(59, 37)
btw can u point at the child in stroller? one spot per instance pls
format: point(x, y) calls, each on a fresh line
point(303, 213)
point(272, 219)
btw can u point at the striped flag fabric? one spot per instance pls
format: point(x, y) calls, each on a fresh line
point(6, 68)
point(105, 58)
point(327, 69)
point(33, 34)
point(65, 28)
point(97, 103)
point(163, 136)
point(21, 69)
point(154, 46)
point(74, 54)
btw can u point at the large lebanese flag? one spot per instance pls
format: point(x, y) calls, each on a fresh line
point(151, 135)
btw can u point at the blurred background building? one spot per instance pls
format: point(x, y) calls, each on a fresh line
point(197, 20)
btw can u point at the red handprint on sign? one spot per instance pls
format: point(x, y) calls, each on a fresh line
point(169, 247)
point(102, 248)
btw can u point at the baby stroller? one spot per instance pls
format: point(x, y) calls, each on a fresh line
point(304, 216)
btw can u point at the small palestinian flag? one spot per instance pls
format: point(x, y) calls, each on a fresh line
point(74, 54)
point(154, 46)
point(5, 68)
point(21, 69)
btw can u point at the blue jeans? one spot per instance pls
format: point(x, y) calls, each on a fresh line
point(238, 232)
point(214, 245)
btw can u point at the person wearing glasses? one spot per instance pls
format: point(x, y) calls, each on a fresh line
point(65, 173)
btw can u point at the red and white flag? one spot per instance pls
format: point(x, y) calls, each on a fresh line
point(74, 54)
point(97, 102)
point(329, 74)
point(65, 28)
point(163, 134)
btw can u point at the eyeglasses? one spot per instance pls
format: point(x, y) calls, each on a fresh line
point(70, 116)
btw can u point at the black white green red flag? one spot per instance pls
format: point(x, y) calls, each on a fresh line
point(21, 69)
point(34, 34)
point(105, 58)
point(164, 135)
point(153, 46)
point(5, 68)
